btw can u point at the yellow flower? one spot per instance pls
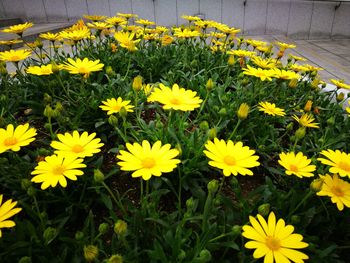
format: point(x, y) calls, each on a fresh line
point(10, 42)
point(146, 160)
point(284, 46)
point(296, 58)
point(40, 70)
point(76, 35)
point(191, 18)
point(243, 111)
point(147, 89)
point(339, 162)
point(13, 139)
point(115, 20)
point(232, 158)
point(297, 164)
point(137, 83)
point(127, 16)
point(308, 106)
point(306, 120)
point(14, 55)
point(166, 40)
point(76, 145)
point(144, 22)
point(51, 36)
point(125, 40)
point(270, 109)
point(185, 33)
point(241, 53)
point(7, 210)
point(18, 29)
point(340, 84)
point(297, 67)
point(55, 169)
point(115, 105)
point(84, 66)
point(275, 241)
point(264, 63)
point(285, 74)
point(263, 74)
point(337, 189)
point(94, 17)
point(99, 25)
point(175, 98)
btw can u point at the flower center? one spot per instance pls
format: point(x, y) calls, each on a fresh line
point(83, 70)
point(148, 162)
point(273, 243)
point(229, 160)
point(337, 191)
point(175, 101)
point(77, 148)
point(344, 166)
point(294, 168)
point(15, 58)
point(10, 141)
point(116, 107)
point(58, 170)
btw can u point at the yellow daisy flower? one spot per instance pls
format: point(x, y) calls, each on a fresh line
point(99, 25)
point(337, 189)
point(76, 145)
point(51, 36)
point(84, 66)
point(115, 105)
point(13, 139)
point(339, 162)
point(76, 35)
point(40, 70)
point(306, 120)
point(241, 53)
point(115, 20)
point(263, 74)
point(55, 169)
point(275, 241)
point(14, 55)
point(144, 22)
point(340, 84)
point(125, 40)
point(270, 109)
point(264, 63)
point(232, 158)
point(191, 18)
point(185, 33)
point(297, 164)
point(127, 16)
point(17, 29)
point(146, 160)
point(94, 17)
point(10, 42)
point(175, 98)
point(297, 58)
point(284, 46)
point(7, 210)
point(285, 74)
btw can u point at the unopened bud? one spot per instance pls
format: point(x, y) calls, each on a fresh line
point(115, 259)
point(243, 111)
point(308, 106)
point(331, 121)
point(120, 227)
point(123, 112)
point(316, 185)
point(300, 133)
point(47, 98)
point(236, 230)
point(109, 71)
point(264, 209)
point(90, 253)
point(205, 256)
point(48, 111)
point(212, 133)
point(103, 228)
point(137, 83)
point(113, 120)
point(223, 112)
point(98, 176)
point(204, 126)
point(210, 84)
point(290, 126)
point(213, 186)
point(340, 97)
point(49, 234)
point(79, 235)
point(231, 60)
point(25, 259)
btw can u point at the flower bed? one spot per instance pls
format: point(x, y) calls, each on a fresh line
point(124, 141)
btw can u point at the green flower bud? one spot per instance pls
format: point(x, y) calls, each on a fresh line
point(210, 84)
point(90, 253)
point(25, 184)
point(179, 148)
point(103, 228)
point(48, 111)
point(236, 230)
point(190, 204)
point(217, 201)
point(316, 185)
point(181, 256)
point(137, 83)
point(295, 219)
point(212, 133)
point(98, 176)
point(49, 234)
point(234, 182)
point(109, 71)
point(113, 120)
point(243, 111)
point(300, 133)
point(245, 82)
point(340, 97)
point(213, 186)
point(115, 259)
point(204, 126)
point(331, 121)
point(120, 227)
point(205, 255)
point(123, 112)
point(25, 259)
point(47, 98)
point(79, 235)
point(58, 107)
point(264, 209)
point(290, 126)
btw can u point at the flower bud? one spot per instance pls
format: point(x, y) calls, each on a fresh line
point(316, 185)
point(103, 228)
point(113, 47)
point(55, 67)
point(236, 230)
point(47, 98)
point(123, 112)
point(25, 259)
point(314, 83)
point(231, 60)
point(115, 259)
point(340, 97)
point(179, 148)
point(109, 71)
point(48, 111)
point(213, 186)
point(331, 121)
point(190, 204)
point(243, 111)
point(295, 219)
point(212, 133)
point(25, 184)
point(223, 112)
point(79, 235)
point(204, 126)
point(264, 209)
point(120, 227)
point(49, 234)
point(181, 256)
point(210, 84)
point(300, 133)
point(308, 106)
point(113, 120)
point(205, 256)
point(98, 176)
point(290, 126)
point(293, 83)
point(245, 82)
point(90, 253)
point(137, 83)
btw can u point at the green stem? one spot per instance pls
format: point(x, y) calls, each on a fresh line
point(117, 201)
point(39, 214)
point(202, 106)
point(307, 196)
point(221, 183)
point(128, 68)
point(235, 129)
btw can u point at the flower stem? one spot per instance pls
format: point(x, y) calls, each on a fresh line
point(235, 129)
point(117, 201)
